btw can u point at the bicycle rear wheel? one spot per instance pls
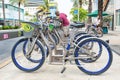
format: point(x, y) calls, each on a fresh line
point(101, 65)
point(99, 33)
point(54, 36)
point(79, 34)
point(24, 62)
point(89, 46)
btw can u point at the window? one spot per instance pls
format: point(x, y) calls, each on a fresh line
point(0, 5)
point(22, 10)
point(118, 17)
point(6, 6)
point(15, 8)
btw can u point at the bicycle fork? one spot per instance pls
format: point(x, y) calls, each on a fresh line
point(31, 48)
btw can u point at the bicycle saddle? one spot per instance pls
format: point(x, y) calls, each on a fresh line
point(77, 25)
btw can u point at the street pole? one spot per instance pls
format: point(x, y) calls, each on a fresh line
point(78, 9)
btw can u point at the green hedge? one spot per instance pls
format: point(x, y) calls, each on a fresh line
point(9, 27)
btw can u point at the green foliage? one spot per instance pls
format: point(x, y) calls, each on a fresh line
point(45, 7)
point(18, 1)
point(81, 2)
point(0, 28)
point(19, 33)
point(26, 13)
point(6, 27)
point(34, 19)
point(16, 27)
point(107, 19)
point(82, 14)
point(9, 27)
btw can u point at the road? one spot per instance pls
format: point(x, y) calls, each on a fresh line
point(6, 47)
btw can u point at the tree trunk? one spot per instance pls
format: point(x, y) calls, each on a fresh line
point(100, 8)
point(19, 13)
point(89, 11)
point(80, 3)
point(3, 5)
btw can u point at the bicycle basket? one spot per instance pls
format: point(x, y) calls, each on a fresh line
point(27, 30)
point(51, 27)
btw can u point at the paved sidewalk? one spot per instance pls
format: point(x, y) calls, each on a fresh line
point(52, 72)
point(114, 40)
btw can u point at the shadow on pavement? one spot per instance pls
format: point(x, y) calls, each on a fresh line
point(116, 48)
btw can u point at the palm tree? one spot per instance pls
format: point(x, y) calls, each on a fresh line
point(81, 3)
point(19, 2)
point(45, 7)
point(89, 11)
point(100, 8)
point(3, 8)
point(75, 3)
point(46, 4)
point(41, 7)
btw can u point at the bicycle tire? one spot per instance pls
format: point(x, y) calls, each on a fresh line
point(14, 59)
point(99, 35)
point(104, 68)
point(79, 34)
point(55, 38)
point(100, 47)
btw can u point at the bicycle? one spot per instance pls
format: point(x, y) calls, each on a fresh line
point(94, 30)
point(80, 54)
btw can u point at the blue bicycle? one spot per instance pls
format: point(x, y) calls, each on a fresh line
point(91, 55)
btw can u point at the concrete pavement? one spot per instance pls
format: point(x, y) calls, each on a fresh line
point(52, 72)
point(114, 40)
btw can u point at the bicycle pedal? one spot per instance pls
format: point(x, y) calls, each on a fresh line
point(107, 41)
point(66, 60)
point(63, 70)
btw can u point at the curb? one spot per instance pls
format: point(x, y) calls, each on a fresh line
point(5, 63)
point(8, 34)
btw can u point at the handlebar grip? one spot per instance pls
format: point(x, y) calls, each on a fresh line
point(39, 11)
point(46, 13)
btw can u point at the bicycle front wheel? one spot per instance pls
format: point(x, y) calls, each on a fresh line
point(24, 62)
point(102, 63)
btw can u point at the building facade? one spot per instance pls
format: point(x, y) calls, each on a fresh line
point(52, 8)
point(32, 7)
point(11, 12)
point(114, 9)
point(117, 14)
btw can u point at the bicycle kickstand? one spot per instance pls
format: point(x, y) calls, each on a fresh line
point(64, 68)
